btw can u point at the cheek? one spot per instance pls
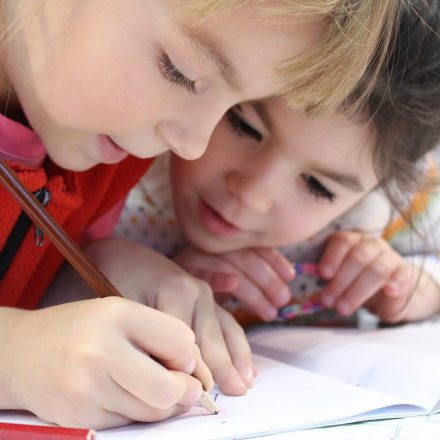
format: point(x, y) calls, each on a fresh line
point(185, 184)
point(100, 86)
point(183, 174)
point(199, 173)
point(299, 225)
point(301, 221)
point(97, 102)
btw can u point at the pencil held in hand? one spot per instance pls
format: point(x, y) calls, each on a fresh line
point(67, 247)
point(207, 403)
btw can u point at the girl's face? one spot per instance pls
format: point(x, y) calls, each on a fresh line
point(271, 176)
point(101, 79)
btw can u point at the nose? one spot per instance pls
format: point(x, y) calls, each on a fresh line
point(258, 187)
point(186, 143)
point(188, 133)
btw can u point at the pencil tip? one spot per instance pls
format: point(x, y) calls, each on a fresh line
point(206, 402)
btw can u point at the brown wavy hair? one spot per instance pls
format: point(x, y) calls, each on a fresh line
point(404, 105)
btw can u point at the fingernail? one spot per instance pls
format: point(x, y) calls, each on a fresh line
point(189, 365)
point(327, 299)
point(326, 270)
point(392, 287)
point(344, 307)
point(287, 272)
point(248, 377)
point(237, 380)
point(269, 314)
point(283, 296)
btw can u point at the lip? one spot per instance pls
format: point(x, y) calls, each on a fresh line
point(110, 152)
point(214, 222)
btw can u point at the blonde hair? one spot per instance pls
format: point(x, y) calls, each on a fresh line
point(8, 29)
point(359, 33)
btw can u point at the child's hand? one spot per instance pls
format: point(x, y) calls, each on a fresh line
point(147, 277)
point(257, 277)
point(89, 363)
point(423, 301)
point(361, 269)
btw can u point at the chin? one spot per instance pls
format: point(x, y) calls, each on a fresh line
point(213, 246)
point(72, 164)
point(194, 238)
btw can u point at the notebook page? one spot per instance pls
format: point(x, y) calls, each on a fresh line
point(284, 398)
point(360, 358)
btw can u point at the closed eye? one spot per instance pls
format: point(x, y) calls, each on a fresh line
point(174, 75)
point(316, 188)
point(242, 128)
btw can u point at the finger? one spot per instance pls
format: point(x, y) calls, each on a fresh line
point(149, 381)
point(213, 348)
point(184, 310)
point(238, 346)
point(387, 309)
point(218, 281)
point(372, 279)
point(159, 335)
point(396, 296)
point(83, 408)
point(354, 263)
point(219, 274)
point(181, 308)
point(254, 299)
point(202, 372)
point(124, 404)
point(259, 272)
point(279, 263)
point(336, 250)
point(102, 419)
point(106, 420)
point(400, 282)
point(191, 290)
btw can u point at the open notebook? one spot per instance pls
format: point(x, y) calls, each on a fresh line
point(316, 377)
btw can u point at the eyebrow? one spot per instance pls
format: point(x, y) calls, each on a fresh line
point(350, 181)
point(214, 54)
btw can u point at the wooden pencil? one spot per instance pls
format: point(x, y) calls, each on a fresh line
point(67, 247)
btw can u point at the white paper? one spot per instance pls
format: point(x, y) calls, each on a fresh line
point(321, 377)
point(402, 362)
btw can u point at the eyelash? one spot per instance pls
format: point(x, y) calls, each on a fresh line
point(317, 189)
point(175, 76)
point(240, 127)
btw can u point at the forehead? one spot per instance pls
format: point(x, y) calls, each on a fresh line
point(230, 37)
point(334, 140)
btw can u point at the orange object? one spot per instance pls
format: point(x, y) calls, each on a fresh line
point(76, 201)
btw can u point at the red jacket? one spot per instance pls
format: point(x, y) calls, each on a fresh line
point(76, 201)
